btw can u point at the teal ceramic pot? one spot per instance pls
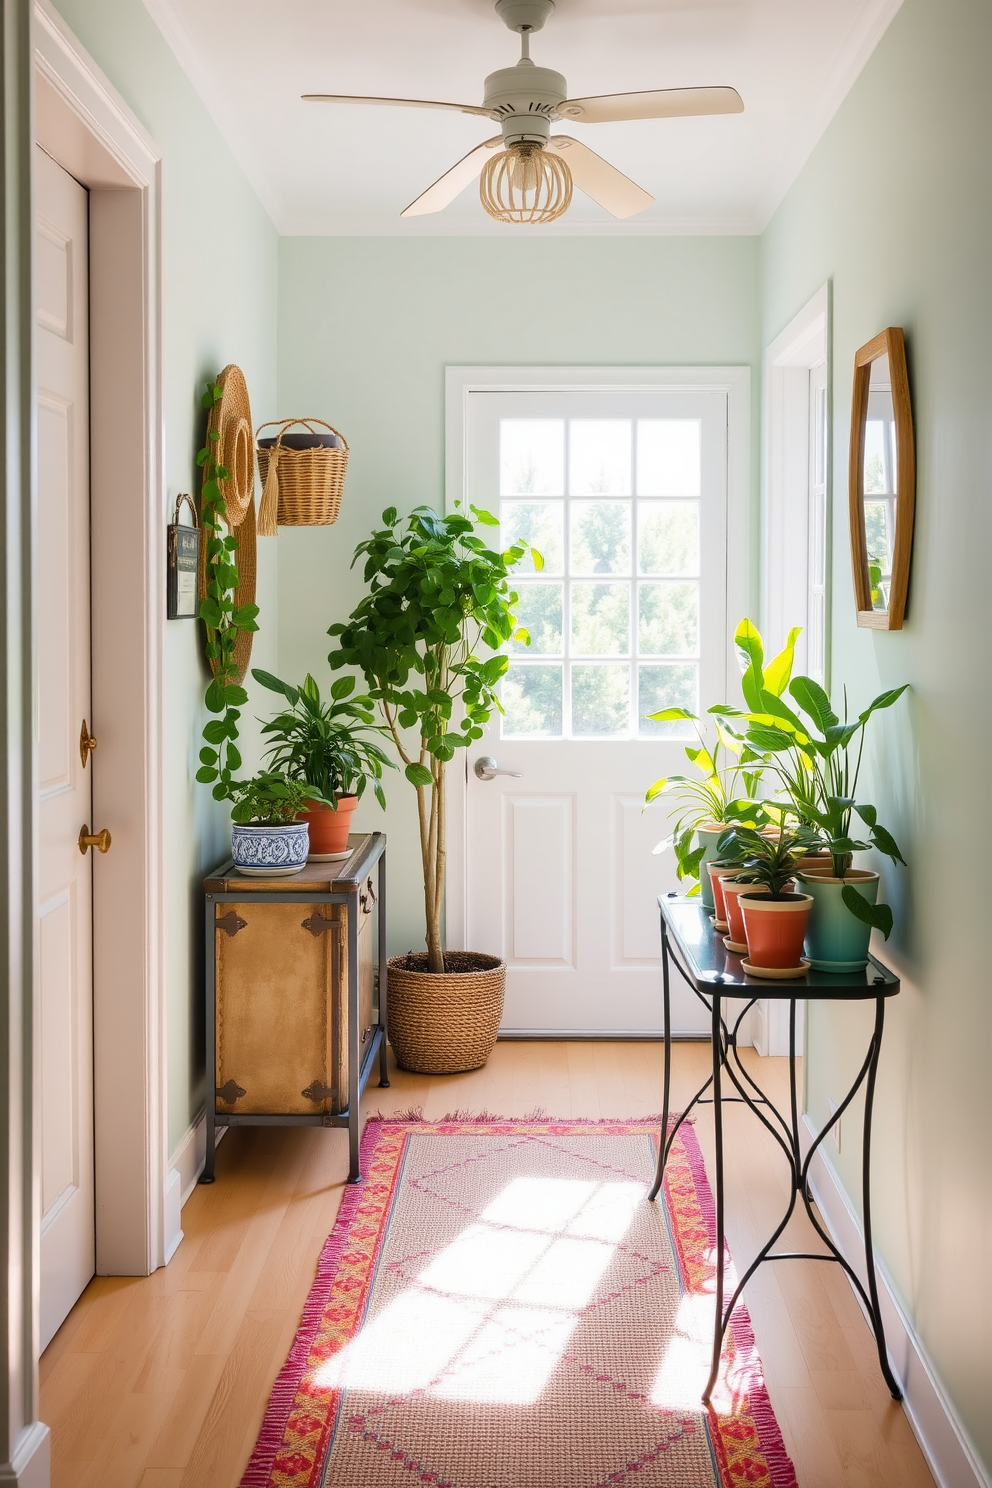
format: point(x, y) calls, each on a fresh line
point(835, 939)
point(708, 837)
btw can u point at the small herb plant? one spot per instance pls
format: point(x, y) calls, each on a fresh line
point(268, 799)
point(437, 594)
point(220, 757)
point(322, 743)
point(765, 859)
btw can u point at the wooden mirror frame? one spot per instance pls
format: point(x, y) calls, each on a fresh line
point(889, 342)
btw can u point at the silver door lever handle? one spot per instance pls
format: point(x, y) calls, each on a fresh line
point(486, 768)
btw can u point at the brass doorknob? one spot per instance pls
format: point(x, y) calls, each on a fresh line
point(99, 840)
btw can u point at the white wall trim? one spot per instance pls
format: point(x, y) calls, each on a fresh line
point(188, 1160)
point(949, 1451)
point(84, 125)
point(30, 1466)
point(804, 342)
point(460, 382)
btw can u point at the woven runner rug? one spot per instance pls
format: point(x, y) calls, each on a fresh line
point(499, 1306)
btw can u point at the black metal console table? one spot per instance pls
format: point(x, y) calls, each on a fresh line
point(347, 884)
point(716, 976)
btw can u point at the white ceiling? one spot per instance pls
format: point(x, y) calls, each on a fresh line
point(334, 169)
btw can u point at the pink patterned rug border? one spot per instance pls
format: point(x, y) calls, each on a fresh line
point(258, 1473)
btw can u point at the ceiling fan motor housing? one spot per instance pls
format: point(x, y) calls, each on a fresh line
point(525, 97)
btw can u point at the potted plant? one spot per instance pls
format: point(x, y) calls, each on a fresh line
point(774, 916)
point(818, 758)
point(267, 840)
point(707, 804)
point(324, 745)
point(437, 594)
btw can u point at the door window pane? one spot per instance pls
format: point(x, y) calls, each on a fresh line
point(600, 537)
point(600, 619)
point(538, 610)
point(540, 524)
point(532, 702)
point(531, 457)
point(672, 685)
point(599, 457)
point(668, 537)
point(668, 457)
point(668, 619)
point(600, 700)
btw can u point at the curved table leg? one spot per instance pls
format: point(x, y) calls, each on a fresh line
point(663, 1142)
point(883, 1357)
point(718, 1321)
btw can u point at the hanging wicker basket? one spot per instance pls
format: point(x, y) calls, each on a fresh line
point(439, 1025)
point(300, 487)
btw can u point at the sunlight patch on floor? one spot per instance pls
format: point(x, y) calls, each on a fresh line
point(490, 1316)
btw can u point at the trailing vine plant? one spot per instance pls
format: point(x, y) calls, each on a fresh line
point(225, 697)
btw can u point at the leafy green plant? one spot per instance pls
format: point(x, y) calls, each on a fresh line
point(269, 799)
point(323, 744)
point(817, 758)
point(225, 697)
point(722, 791)
point(436, 594)
point(765, 859)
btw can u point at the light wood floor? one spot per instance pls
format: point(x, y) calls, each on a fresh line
point(161, 1382)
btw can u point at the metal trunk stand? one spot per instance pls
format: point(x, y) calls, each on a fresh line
point(334, 883)
point(716, 976)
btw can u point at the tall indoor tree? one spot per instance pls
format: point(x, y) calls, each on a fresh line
point(437, 594)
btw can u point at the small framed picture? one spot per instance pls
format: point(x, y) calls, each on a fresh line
point(183, 573)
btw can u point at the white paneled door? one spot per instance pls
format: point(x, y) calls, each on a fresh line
point(625, 495)
point(65, 878)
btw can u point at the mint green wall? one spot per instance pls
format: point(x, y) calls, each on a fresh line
point(366, 329)
point(895, 207)
point(219, 305)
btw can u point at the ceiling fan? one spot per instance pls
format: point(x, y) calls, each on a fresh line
point(526, 171)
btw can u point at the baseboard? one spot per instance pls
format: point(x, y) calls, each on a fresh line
point(184, 1172)
point(600, 1035)
point(30, 1466)
point(950, 1454)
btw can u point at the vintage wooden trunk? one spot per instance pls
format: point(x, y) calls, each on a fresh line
point(281, 990)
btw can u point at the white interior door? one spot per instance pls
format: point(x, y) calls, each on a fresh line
point(625, 495)
point(65, 899)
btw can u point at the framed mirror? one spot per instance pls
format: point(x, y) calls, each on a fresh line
point(882, 482)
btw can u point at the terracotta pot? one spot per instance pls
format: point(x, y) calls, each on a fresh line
point(329, 829)
point(835, 939)
point(775, 929)
point(707, 836)
point(718, 872)
point(737, 939)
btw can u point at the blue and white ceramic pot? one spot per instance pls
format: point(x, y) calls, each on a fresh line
point(708, 836)
point(271, 851)
point(836, 940)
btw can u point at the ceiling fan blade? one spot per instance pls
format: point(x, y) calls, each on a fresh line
point(663, 103)
point(447, 187)
point(599, 179)
point(458, 108)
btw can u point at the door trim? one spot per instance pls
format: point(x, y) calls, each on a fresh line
point(83, 124)
point(460, 382)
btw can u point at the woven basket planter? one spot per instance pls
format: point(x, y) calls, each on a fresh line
point(440, 1025)
point(300, 487)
